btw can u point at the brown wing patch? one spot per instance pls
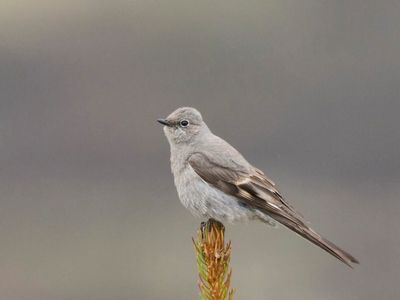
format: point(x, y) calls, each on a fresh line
point(265, 184)
point(264, 177)
point(254, 189)
point(214, 174)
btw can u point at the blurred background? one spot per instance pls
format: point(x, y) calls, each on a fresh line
point(308, 91)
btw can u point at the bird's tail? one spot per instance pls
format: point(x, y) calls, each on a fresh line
point(309, 234)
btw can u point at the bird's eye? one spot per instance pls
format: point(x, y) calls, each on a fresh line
point(184, 123)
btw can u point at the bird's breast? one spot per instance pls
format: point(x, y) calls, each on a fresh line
point(192, 190)
point(204, 200)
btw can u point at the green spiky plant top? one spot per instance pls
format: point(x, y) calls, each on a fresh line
point(213, 257)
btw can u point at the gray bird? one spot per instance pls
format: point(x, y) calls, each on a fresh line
point(214, 180)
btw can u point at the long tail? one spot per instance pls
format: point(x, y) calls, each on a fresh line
point(309, 234)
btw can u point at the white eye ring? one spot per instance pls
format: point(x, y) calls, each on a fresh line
point(184, 123)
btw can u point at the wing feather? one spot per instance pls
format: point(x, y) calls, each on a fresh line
point(253, 187)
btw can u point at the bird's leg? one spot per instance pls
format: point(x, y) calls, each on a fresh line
point(209, 224)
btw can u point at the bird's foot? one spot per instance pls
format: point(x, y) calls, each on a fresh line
point(210, 224)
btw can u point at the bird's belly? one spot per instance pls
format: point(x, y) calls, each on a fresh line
point(204, 200)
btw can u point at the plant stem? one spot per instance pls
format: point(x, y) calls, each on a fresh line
point(213, 257)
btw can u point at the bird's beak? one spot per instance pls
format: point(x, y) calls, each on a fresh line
point(164, 122)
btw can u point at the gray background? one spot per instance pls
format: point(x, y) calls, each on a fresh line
point(307, 90)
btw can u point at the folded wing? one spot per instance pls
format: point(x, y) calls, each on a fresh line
point(252, 187)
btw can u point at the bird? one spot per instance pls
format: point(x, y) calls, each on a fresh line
point(213, 180)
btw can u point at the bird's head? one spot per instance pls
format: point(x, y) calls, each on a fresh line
point(183, 125)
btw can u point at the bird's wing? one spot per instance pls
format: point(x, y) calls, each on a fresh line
point(252, 187)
